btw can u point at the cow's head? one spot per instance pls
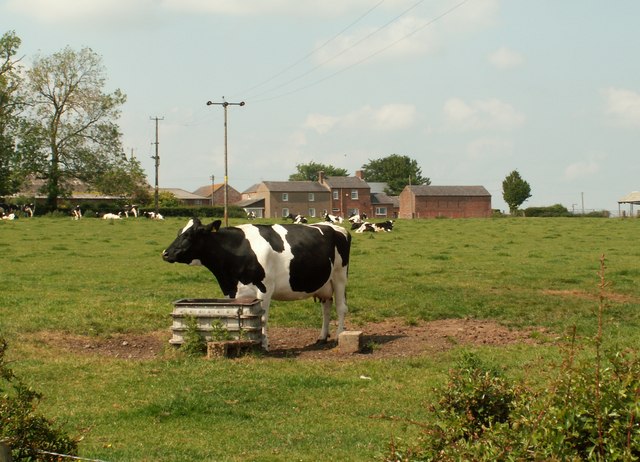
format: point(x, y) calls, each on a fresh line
point(188, 245)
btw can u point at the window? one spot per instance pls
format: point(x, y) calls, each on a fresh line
point(336, 194)
point(285, 213)
point(381, 211)
point(312, 197)
point(312, 213)
point(285, 197)
point(354, 194)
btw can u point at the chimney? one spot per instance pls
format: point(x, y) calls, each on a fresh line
point(321, 176)
point(360, 174)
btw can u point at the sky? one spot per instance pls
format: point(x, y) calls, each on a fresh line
point(470, 89)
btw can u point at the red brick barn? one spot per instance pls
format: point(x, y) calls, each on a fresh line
point(445, 202)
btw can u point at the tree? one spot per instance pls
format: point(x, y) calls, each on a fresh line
point(126, 178)
point(9, 107)
point(309, 172)
point(515, 191)
point(72, 125)
point(395, 170)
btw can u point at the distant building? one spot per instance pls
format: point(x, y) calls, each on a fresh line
point(445, 202)
point(185, 197)
point(217, 191)
point(282, 198)
point(349, 194)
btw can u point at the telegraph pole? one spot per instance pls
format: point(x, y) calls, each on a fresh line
point(157, 159)
point(225, 104)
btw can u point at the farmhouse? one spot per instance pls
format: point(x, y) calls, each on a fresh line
point(445, 202)
point(282, 198)
point(349, 194)
point(185, 197)
point(215, 194)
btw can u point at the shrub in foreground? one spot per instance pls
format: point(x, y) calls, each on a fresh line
point(590, 411)
point(26, 432)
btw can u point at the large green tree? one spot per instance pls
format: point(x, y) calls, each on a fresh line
point(515, 191)
point(310, 171)
point(10, 104)
point(72, 123)
point(395, 170)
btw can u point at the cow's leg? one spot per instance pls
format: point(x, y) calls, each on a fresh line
point(341, 306)
point(326, 318)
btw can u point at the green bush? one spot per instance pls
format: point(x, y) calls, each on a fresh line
point(556, 210)
point(26, 432)
point(590, 411)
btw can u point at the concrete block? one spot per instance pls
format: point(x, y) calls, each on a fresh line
point(350, 341)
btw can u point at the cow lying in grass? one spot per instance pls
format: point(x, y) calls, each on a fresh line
point(279, 262)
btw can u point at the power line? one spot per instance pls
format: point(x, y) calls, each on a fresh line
point(315, 50)
point(366, 58)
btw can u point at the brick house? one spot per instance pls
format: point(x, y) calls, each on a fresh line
point(281, 198)
point(349, 194)
point(217, 190)
point(445, 201)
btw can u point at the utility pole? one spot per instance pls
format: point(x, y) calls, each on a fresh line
point(157, 159)
point(225, 104)
point(213, 184)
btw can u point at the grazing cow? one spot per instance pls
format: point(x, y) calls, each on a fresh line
point(385, 226)
point(279, 262)
point(357, 219)
point(297, 219)
point(76, 213)
point(332, 218)
point(153, 215)
point(131, 209)
point(28, 210)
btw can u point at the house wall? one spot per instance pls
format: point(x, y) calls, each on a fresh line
point(298, 202)
point(344, 204)
point(412, 206)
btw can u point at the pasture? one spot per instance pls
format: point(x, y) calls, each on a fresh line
point(69, 285)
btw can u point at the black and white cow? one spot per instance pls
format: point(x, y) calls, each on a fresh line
point(357, 218)
point(279, 262)
point(386, 226)
point(332, 218)
point(297, 219)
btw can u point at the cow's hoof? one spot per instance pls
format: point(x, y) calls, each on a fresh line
point(322, 341)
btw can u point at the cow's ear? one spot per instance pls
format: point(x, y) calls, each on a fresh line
point(213, 227)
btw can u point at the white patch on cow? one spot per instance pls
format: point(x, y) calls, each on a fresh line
point(196, 262)
point(189, 225)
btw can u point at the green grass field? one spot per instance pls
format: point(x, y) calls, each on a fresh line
point(95, 278)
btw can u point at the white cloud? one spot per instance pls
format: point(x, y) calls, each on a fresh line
point(581, 169)
point(505, 58)
point(367, 42)
point(489, 149)
point(489, 114)
point(388, 117)
point(623, 106)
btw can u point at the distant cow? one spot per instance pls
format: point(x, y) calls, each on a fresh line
point(385, 226)
point(332, 218)
point(153, 215)
point(131, 209)
point(357, 218)
point(279, 262)
point(297, 219)
point(76, 213)
point(112, 216)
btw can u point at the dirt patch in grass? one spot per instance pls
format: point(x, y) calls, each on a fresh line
point(393, 338)
point(609, 296)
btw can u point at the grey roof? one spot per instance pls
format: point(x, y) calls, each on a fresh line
point(182, 194)
point(294, 186)
point(381, 198)
point(424, 190)
point(345, 182)
point(251, 203)
point(251, 189)
point(377, 187)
